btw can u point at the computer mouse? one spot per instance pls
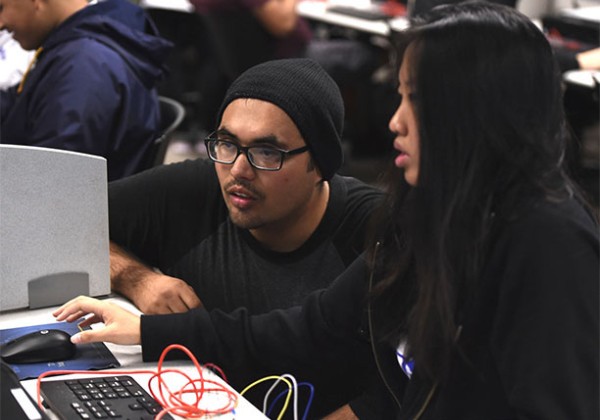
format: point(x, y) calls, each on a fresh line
point(39, 347)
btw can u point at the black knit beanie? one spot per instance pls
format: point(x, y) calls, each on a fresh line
point(308, 95)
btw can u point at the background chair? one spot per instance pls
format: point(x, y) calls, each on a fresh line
point(172, 114)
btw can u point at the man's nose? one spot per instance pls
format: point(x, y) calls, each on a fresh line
point(241, 167)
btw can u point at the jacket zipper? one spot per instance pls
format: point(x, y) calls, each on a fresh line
point(434, 387)
point(426, 403)
point(371, 337)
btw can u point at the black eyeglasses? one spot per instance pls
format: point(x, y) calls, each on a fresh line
point(260, 157)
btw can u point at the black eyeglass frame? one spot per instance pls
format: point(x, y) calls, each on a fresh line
point(241, 149)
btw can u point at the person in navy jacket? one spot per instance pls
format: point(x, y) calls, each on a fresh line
point(91, 87)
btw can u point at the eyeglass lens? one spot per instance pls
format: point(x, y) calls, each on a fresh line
point(261, 157)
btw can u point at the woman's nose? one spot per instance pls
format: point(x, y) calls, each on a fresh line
point(394, 124)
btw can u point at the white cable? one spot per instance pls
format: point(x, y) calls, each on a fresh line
point(294, 391)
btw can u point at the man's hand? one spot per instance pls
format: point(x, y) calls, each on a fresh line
point(343, 413)
point(121, 326)
point(278, 17)
point(589, 60)
point(160, 294)
point(151, 292)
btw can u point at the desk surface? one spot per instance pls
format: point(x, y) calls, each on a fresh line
point(317, 10)
point(130, 358)
point(309, 9)
point(585, 78)
point(591, 13)
point(175, 5)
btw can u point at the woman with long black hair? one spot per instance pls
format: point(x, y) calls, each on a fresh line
point(479, 296)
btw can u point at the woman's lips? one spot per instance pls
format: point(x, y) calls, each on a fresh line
point(401, 160)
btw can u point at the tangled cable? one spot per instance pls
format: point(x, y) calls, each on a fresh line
point(190, 400)
point(292, 390)
point(187, 401)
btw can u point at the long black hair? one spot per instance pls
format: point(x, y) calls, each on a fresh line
point(492, 141)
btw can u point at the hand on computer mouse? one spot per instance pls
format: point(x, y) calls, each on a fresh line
point(42, 346)
point(121, 326)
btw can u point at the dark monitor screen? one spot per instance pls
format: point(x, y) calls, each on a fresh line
point(15, 402)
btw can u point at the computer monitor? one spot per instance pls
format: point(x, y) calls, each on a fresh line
point(15, 402)
point(53, 227)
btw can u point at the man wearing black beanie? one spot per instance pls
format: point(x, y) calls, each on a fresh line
point(261, 223)
point(301, 88)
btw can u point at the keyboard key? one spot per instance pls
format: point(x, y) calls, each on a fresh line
point(136, 406)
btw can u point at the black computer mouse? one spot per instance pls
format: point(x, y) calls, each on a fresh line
point(39, 347)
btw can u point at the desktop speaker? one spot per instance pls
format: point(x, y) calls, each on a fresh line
point(53, 226)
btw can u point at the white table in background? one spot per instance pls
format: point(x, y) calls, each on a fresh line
point(175, 5)
point(317, 11)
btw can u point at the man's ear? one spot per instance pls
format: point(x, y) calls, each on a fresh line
point(318, 174)
point(37, 4)
point(52, 13)
point(40, 8)
point(312, 166)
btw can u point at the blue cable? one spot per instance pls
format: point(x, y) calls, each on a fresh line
point(308, 403)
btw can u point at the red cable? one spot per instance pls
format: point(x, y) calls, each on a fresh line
point(171, 401)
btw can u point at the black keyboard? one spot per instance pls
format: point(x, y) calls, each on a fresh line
point(370, 13)
point(100, 397)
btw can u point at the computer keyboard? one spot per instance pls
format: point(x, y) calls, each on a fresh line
point(100, 398)
point(370, 13)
